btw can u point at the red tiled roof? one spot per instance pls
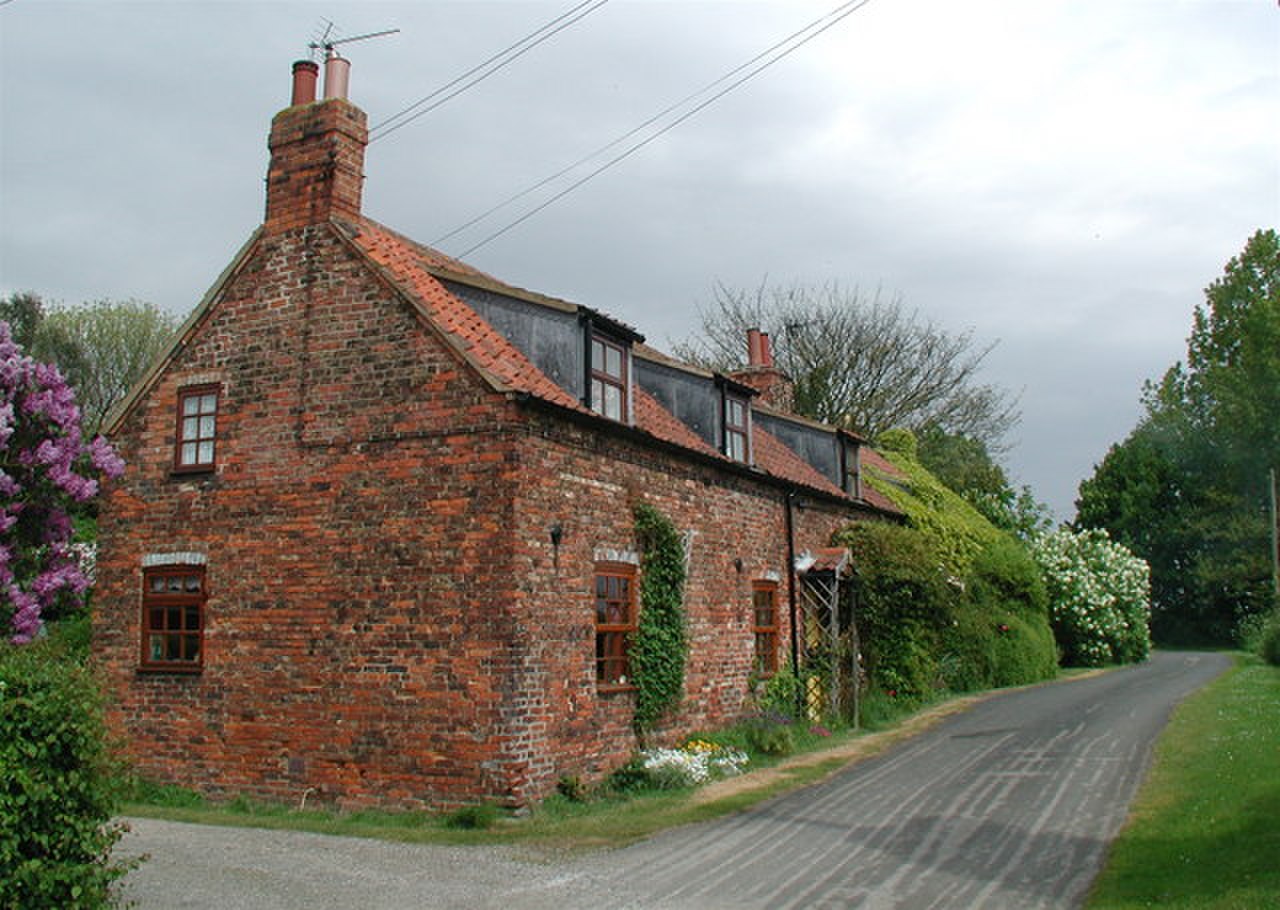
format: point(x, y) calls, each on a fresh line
point(409, 266)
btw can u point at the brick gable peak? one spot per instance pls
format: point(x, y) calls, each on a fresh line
point(317, 152)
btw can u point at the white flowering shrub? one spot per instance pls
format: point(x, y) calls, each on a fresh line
point(1099, 597)
point(697, 762)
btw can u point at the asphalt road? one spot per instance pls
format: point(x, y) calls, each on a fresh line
point(1008, 805)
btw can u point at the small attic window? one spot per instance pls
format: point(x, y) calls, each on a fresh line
point(197, 428)
point(737, 428)
point(610, 377)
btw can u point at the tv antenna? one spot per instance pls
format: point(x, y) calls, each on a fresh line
point(327, 43)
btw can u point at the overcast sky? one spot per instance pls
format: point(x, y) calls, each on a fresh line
point(1061, 177)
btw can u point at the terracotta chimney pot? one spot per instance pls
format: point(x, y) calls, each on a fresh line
point(305, 73)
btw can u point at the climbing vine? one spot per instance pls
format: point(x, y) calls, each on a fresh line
point(659, 648)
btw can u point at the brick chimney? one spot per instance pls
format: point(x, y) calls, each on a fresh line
point(317, 151)
point(763, 375)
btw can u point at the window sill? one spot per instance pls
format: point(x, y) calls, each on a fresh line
point(193, 471)
point(169, 669)
point(614, 689)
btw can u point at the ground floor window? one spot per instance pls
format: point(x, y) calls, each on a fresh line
point(173, 599)
point(615, 616)
point(764, 604)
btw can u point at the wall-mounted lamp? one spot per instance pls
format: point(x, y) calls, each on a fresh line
point(737, 564)
point(557, 534)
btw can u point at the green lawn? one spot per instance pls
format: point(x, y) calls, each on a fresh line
point(1205, 829)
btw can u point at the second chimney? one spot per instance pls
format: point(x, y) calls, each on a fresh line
point(762, 374)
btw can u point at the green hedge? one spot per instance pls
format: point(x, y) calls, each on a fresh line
point(58, 784)
point(925, 632)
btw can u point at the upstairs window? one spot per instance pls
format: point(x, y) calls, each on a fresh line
point(197, 428)
point(737, 431)
point(609, 378)
point(615, 609)
point(764, 606)
point(173, 600)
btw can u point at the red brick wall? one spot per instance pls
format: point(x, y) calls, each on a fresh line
point(388, 621)
point(352, 568)
point(588, 482)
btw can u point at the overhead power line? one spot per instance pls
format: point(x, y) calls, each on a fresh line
point(752, 68)
point(483, 70)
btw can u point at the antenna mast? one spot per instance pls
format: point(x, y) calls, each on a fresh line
point(327, 44)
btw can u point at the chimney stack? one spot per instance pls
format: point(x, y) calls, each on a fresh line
point(317, 152)
point(762, 374)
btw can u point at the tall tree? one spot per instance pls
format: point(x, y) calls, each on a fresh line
point(866, 364)
point(1187, 490)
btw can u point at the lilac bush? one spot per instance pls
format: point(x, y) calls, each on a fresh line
point(46, 471)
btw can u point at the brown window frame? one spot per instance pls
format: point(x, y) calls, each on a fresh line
point(739, 433)
point(181, 615)
point(765, 634)
point(196, 392)
point(613, 639)
point(601, 377)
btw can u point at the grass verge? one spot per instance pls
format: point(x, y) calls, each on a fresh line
point(1204, 832)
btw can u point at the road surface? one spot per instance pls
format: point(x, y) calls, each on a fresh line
point(1009, 805)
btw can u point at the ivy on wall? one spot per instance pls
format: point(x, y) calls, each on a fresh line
point(660, 645)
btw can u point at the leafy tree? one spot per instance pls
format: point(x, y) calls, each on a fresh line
point(965, 465)
point(47, 470)
point(1187, 490)
point(865, 364)
point(23, 311)
point(103, 348)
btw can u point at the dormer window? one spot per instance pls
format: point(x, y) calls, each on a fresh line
point(737, 428)
point(610, 371)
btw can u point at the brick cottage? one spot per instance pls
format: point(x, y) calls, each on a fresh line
point(376, 544)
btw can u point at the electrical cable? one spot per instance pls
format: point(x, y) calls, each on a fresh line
point(627, 135)
point(837, 15)
point(495, 63)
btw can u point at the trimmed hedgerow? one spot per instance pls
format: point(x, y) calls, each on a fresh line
point(925, 630)
point(58, 784)
point(660, 646)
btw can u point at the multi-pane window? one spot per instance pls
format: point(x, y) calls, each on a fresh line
point(764, 605)
point(608, 378)
point(736, 428)
point(197, 428)
point(615, 608)
point(173, 617)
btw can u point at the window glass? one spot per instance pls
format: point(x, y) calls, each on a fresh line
point(197, 429)
point(764, 604)
point(609, 378)
point(615, 623)
point(172, 618)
